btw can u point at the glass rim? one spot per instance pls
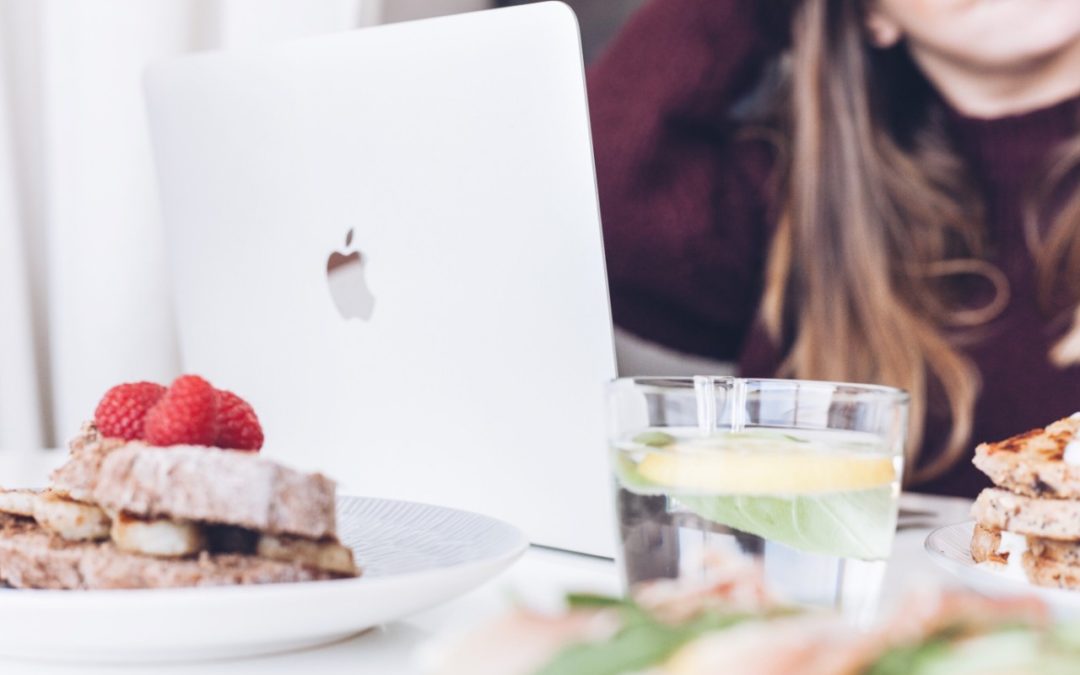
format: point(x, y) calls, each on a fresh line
point(687, 382)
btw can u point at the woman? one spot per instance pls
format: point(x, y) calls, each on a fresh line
point(863, 191)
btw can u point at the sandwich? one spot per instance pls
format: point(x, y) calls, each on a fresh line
point(166, 488)
point(1029, 523)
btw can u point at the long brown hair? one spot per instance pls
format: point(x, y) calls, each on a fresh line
point(883, 204)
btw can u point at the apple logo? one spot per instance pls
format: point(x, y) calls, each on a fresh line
point(348, 285)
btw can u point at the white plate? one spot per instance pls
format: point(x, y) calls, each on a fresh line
point(414, 556)
point(950, 547)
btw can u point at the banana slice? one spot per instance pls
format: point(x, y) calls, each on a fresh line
point(161, 538)
point(72, 520)
point(325, 554)
point(18, 502)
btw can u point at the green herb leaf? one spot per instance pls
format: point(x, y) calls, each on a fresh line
point(643, 642)
point(590, 600)
point(632, 649)
point(857, 524)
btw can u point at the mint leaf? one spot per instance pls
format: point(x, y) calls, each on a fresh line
point(633, 649)
point(643, 642)
point(589, 600)
point(857, 524)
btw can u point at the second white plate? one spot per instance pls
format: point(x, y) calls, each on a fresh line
point(950, 548)
point(414, 556)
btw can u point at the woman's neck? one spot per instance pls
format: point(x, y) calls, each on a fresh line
point(997, 92)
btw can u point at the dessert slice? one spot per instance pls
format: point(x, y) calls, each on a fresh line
point(126, 513)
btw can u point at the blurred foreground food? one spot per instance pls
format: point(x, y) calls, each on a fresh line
point(732, 626)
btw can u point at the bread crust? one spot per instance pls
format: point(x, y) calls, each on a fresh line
point(985, 543)
point(32, 558)
point(77, 477)
point(1033, 463)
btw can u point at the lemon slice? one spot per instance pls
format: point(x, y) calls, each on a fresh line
point(763, 473)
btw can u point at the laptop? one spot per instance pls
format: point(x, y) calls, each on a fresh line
point(388, 240)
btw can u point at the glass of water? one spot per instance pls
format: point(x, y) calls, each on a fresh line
point(803, 477)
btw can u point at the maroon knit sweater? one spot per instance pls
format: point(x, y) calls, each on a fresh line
point(688, 214)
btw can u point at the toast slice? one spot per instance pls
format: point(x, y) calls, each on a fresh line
point(31, 557)
point(998, 509)
point(215, 486)
point(1033, 463)
point(196, 483)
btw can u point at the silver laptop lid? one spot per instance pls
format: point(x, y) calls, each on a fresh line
point(388, 240)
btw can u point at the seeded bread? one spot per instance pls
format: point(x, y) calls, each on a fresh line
point(1047, 518)
point(1051, 573)
point(1050, 550)
point(32, 558)
point(1033, 463)
point(215, 486)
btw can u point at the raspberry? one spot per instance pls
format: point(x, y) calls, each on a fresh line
point(122, 410)
point(185, 415)
point(238, 427)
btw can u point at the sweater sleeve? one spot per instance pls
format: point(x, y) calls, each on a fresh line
point(683, 205)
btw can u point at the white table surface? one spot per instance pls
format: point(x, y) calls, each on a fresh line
point(541, 578)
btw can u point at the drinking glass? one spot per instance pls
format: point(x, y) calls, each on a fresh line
point(803, 477)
